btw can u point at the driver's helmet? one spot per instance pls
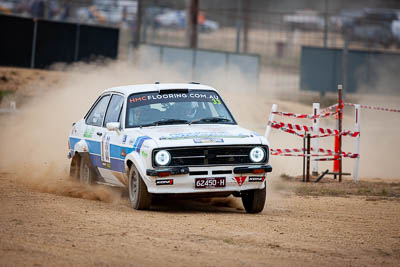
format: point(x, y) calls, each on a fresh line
point(139, 113)
point(188, 109)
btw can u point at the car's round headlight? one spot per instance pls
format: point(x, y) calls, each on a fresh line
point(163, 158)
point(257, 154)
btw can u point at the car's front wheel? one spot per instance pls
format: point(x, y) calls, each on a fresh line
point(139, 197)
point(254, 200)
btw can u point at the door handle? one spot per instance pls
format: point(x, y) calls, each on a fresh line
point(99, 133)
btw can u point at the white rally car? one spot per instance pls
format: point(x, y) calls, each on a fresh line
point(169, 139)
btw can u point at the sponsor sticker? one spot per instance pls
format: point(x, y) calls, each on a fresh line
point(203, 135)
point(88, 132)
point(208, 140)
point(105, 149)
point(139, 142)
point(165, 182)
point(124, 139)
point(145, 98)
point(106, 165)
point(144, 154)
point(240, 179)
point(123, 152)
point(256, 178)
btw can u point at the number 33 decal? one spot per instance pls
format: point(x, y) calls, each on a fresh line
point(216, 101)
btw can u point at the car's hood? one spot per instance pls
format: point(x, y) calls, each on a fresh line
point(198, 135)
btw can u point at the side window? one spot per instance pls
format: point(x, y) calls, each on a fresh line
point(114, 109)
point(96, 117)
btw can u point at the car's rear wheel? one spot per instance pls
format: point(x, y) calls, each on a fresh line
point(86, 174)
point(139, 197)
point(254, 200)
point(75, 167)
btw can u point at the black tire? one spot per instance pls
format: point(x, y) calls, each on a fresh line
point(75, 167)
point(139, 197)
point(254, 200)
point(86, 174)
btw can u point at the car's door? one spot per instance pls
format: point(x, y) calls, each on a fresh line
point(94, 130)
point(113, 150)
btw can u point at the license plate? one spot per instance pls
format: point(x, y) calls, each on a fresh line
point(213, 182)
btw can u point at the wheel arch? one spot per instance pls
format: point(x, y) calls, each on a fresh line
point(129, 164)
point(81, 147)
point(133, 159)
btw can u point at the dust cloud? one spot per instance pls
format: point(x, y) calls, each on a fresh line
point(49, 182)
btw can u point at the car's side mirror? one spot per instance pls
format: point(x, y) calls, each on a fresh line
point(113, 126)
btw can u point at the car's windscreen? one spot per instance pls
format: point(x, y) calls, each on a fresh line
point(192, 107)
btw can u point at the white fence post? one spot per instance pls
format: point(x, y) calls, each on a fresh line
point(13, 106)
point(315, 141)
point(357, 142)
point(271, 118)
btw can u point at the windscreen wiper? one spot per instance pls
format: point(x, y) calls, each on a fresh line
point(164, 122)
point(147, 125)
point(211, 119)
point(170, 121)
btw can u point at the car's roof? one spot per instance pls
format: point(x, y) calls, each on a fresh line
point(138, 88)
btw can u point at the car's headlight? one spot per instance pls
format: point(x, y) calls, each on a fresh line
point(257, 154)
point(162, 158)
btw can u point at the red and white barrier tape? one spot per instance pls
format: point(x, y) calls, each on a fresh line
point(276, 126)
point(299, 150)
point(322, 150)
point(304, 116)
point(291, 127)
point(286, 150)
point(351, 155)
point(375, 108)
point(328, 152)
point(328, 108)
point(301, 155)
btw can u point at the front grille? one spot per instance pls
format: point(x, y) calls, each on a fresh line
point(210, 155)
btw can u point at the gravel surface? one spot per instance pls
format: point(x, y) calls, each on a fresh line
point(42, 229)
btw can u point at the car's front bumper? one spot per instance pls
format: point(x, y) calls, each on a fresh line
point(182, 179)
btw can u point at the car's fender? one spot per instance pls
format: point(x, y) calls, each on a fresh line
point(263, 140)
point(136, 160)
point(81, 146)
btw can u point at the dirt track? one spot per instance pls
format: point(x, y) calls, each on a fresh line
point(41, 229)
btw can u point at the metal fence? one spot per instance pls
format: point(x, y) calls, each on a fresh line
point(322, 69)
point(278, 31)
point(38, 43)
point(275, 30)
point(201, 64)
